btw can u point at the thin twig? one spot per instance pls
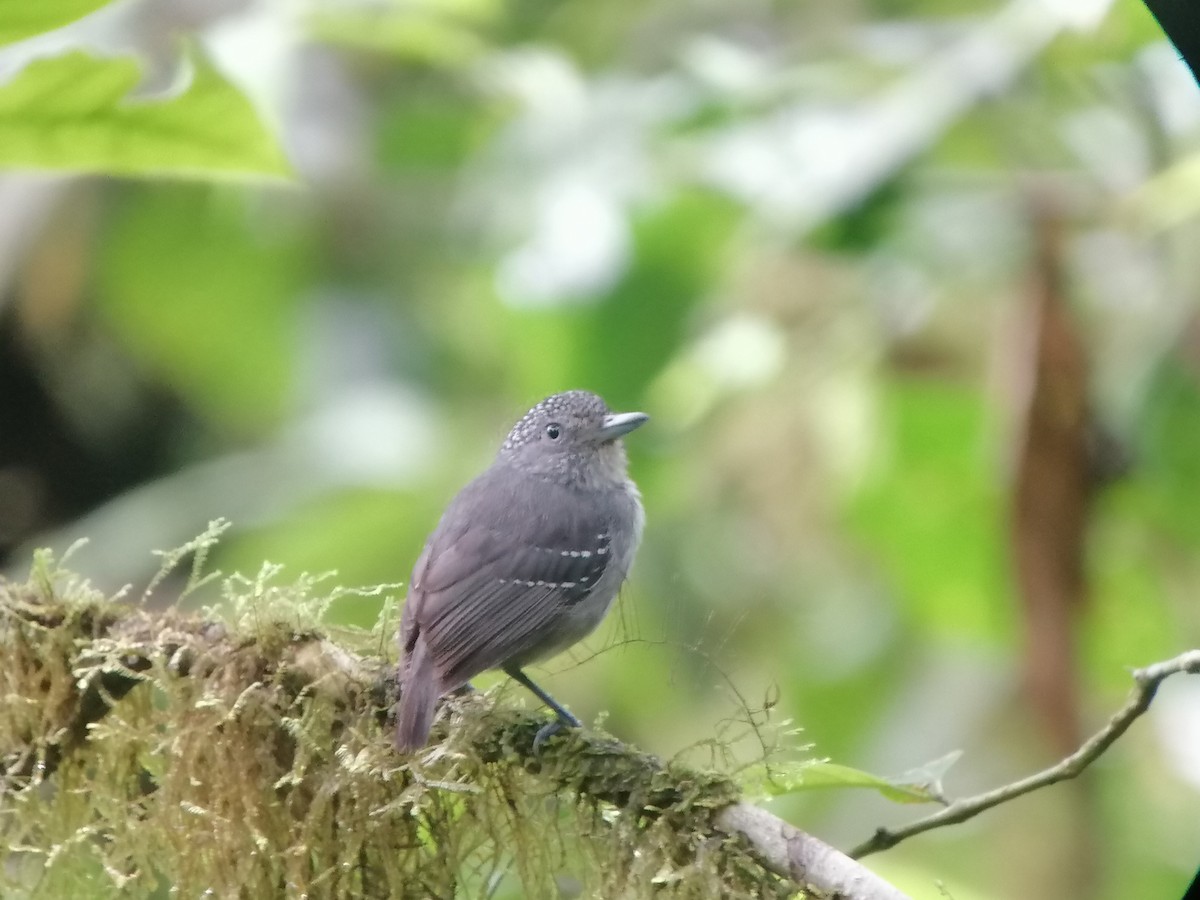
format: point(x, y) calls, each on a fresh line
point(1146, 682)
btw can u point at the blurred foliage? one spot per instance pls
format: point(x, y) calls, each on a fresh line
point(944, 551)
point(199, 252)
point(798, 235)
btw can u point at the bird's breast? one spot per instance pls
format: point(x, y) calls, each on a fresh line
point(619, 523)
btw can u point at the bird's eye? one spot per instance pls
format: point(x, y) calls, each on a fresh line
point(553, 430)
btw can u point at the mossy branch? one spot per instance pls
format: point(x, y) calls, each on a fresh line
point(255, 760)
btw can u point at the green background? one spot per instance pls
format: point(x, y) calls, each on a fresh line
point(310, 270)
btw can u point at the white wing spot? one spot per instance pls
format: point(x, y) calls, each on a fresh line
point(586, 554)
point(602, 551)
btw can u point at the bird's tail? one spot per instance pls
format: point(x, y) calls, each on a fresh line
point(418, 699)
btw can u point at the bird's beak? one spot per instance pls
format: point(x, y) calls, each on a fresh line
point(617, 424)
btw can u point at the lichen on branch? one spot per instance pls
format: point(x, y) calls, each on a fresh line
point(144, 750)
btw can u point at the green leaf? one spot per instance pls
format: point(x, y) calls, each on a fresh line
point(20, 19)
point(73, 112)
point(920, 786)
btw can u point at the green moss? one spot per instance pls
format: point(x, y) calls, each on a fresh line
point(144, 753)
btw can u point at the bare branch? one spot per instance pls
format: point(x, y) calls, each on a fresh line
point(794, 854)
point(1146, 682)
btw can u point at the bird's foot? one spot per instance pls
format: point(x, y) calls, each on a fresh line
point(550, 729)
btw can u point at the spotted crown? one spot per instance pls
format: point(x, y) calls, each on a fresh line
point(569, 406)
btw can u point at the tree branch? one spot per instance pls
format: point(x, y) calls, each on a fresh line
point(1146, 682)
point(804, 859)
point(306, 718)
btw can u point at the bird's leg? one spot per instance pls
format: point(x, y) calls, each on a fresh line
point(547, 731)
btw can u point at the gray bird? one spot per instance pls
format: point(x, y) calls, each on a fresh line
point(525, 561)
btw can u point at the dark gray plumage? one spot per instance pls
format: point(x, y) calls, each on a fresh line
point(525, 561)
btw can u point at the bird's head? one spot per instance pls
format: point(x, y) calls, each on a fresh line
point(572, 436)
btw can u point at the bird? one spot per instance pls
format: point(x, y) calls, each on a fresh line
point(525, 561)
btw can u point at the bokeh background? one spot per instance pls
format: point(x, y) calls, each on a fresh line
point(909, 288)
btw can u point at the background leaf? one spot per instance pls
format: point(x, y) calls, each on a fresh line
point(20, 20)
point(778, 781)
point(74, 112)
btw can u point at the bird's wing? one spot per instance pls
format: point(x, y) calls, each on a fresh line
point(489, 583)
